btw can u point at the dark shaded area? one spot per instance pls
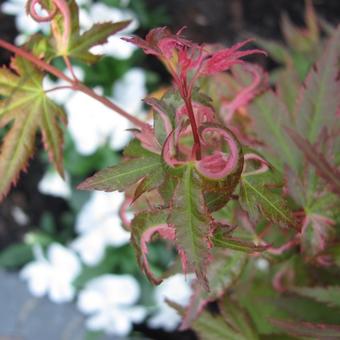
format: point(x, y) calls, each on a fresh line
point(159, 334)
point(228, 21)
point(7, 32)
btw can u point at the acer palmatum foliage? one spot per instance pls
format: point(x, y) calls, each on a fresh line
point(230, 172)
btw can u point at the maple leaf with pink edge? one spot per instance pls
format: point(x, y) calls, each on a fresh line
point(25, 107)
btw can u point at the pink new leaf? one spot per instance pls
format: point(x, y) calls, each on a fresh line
point(219, 164)
point(59, 5)
point(222, 60)
point(164, 231)
point(144, 226)
point(246, 94)
point(147, 138)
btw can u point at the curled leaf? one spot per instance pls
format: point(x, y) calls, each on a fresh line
point(219, 165)
point(143, 227)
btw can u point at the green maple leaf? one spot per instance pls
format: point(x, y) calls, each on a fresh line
point(234, 243)
point(329, 295)
point(78, 44)
point(233, 323)
point(143, 165)
point(270, 117)
point(222, 273)
point(319, 99)
point(26, 109)
point(317, 159)
point(237, 318)
point(190, 218)
point(259, 199)
point(308, 330)
point(317, 233)
point(209, 326)
point(98, 34)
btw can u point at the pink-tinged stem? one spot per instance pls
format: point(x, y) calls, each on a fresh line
point(123, 212)
point(65, 11)
point(75, 85)
point(196, 150)
point(254, 157)
point(285, 247)
point(70, 68)
point(66, 87)
point(112, 106)
point(33, 13)
point(36, 61)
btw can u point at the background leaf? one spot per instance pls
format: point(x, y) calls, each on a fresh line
point(306, 329)
point(329, 295)
point(324, 169)
point(224, 269)
point(319, 99)
point(270, 116)
point(258, 199)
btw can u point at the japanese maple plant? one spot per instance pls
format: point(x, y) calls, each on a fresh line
point(238, 170)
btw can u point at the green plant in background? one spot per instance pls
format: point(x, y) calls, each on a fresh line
point(241, 178)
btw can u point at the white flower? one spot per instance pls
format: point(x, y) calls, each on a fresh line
point(52, 275)
point(129, 91)
point(109, 301)
point(177, 289)
point(92, 124)
point(262, 264)
point(99, 226)
point(19, 215)
point(52, 184)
